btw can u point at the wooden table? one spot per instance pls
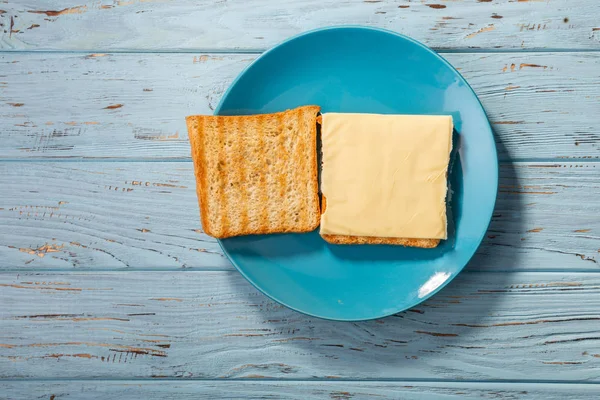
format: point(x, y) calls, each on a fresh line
point(110, 289)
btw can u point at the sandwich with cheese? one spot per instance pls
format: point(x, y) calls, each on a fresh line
point(384, 178)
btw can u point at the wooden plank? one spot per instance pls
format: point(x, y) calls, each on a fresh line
point(107, 215)
point(215, 325)
point(406, 390)
point(133, 105)
point(259, 24)
point(103, 215)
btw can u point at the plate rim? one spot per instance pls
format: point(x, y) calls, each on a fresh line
point(495, 170)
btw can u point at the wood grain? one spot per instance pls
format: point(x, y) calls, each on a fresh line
point(103, 215)
point(110, 25)
point(540, 105)
point(347, 390)
point(531, 199)
point(215, 325)
point(113, 215)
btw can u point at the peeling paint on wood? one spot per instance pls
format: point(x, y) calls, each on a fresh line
point(64, 11)
point(521, 66)
point(96, 55)
point(488, 28)
point(535, 230)
point(436, 6)
point(113, 106)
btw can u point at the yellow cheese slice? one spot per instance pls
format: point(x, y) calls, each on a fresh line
point(385, 175)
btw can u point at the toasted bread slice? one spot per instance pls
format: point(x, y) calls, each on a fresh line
point(345, 239)
point(256, 174)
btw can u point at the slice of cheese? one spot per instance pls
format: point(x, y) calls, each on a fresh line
point(385, 175)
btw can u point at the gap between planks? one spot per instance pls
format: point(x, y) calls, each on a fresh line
point(257, 51)
point(232, 270)
point(301, 380)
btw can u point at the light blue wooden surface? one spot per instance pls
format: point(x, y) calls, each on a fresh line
point(534, 326)
point(109, 288)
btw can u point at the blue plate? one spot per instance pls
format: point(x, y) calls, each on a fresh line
point(357, 69)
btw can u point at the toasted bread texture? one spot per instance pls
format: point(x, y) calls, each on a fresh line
point(345, 239)
point(256, 174)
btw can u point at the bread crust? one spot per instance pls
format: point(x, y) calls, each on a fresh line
point(195, 126)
